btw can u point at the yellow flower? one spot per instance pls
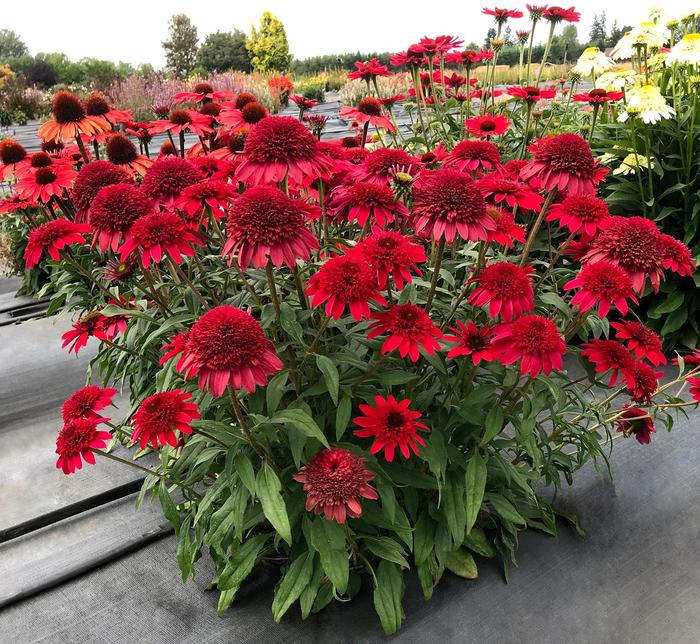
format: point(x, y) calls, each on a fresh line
point(647, 34)
point(648, 103)
point(631, 163)
point(617, 81)
point(592, 62)
point(686, 51)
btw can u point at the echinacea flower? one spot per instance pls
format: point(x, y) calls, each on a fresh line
point(122, 152)
point(368, 70)
point(157, 234)
point(52, 237)
point(113, 212)
point(226, 346)
point(447, 203)
point(12, 203)
point(582, 214)
point(70, 120)
point(182, 121)
point(592, 62)
point(676, 256)
point(345, 280)
point(243, 119)
point(263, 225)
point(279, 147)
point(362, 201)
point(471, 341)
point(604, 284)
point(563, 161)
point(369, 110)
point(686, 51)
point(214, 194)
point(75, 443)
point(648, 103)
point(694, 389)
point(501, 15)
point(392, 425)
point(159, 415)
point(468, 57)
point(409, 328)
point(43, 183)
point(642, 382)
point(11, 153)
point(635, 245)
point(203, 92)
point(487, 125)
point(168, 177)
point(335, 480)
point(89, 325)
point(506, 288)
point(530, 94)
point(91, 178)
point(391, 254)
point(302, 102)
point(532, 339)
point(598, 97)
point(472, 156)
point(86, 402)
point(636, 422)
point(381, 165)
point(641, 340)
point(507, 231)
point(498, 188)
point(609, 355)
point(557, 14)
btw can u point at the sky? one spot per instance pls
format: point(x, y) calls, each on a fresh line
point(115, 30)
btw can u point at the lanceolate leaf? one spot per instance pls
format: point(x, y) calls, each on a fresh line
point(293, 583)
point(328, 539)
point(388, 594)
point(476, 483)
point(267, 486)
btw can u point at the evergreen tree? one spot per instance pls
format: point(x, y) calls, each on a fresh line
point(181, 47)
point(267, 46)
point(222, 51)
point(599, 31)
point(11, 45)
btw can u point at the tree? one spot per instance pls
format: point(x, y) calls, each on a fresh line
point(222, 51)
point(11, 45)
point(181, 48)
point(599, 31)
point(490, 35)
point(616, 33)
point(68, 72)
point(40, 73)
point(267, 46)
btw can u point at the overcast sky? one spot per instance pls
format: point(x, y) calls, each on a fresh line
point(132, 30)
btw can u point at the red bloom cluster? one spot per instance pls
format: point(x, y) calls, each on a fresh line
point(410, 329)
point(160, 414)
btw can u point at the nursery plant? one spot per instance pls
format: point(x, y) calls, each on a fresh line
point(350, 359)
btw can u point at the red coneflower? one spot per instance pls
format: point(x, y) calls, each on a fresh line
point(335, 480)
point(86, 402)
point(369, 110)
point(603, 284)
point(635, 245)
point(471, 341)
point(439, 44)
point(468, 57)
point(203, 92)
point(279, 147)
point(39, 160)
point(75, 443)
point(70, 120)
point(392, 425)
point(506, 287)
point(501, 15)
point(498, 188)
point(12, 203)
point(391, 254)
point(694, 390)
point(531, 94)
point(636, 422)
point(412, 57)
point(557, 14)
point(265, 225)
point(159, 415)
point(676, 256)
point(598, 96)
point(113, 325)
point(583, 214)
point(96, 105)
point(409, 328)
point(368, 70)
point(345, 280)
point(381, 165)
point(534, 340)
point(157, 234)
point(609, 355)
point(487, 126)
point(122, 152)
point(507, 231)
point(641, 340)
point(167, 149)
point(473, 155)
point(113, 212)
point(360, 201)
point(90, 325)
point(51, 237)
point(226, 346)
point(447, 203)
point(168, 177)
point(218, 167)
point(245, 118)
point(181, 121)
point(11, 153)
point(43, 183)
point(564, 162)
point(215, 194)
point(302, 102)
point(91, 178)
point(642, 382)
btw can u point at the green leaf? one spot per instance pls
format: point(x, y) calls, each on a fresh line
point(302, 421)
point(169, 509)
point(330, 376)
point(388, 594)
point(342, 416)
point(293, 583)
point(245, 471)
point(493, 424)
point(328, 539)
point(267, 487)
point(221, 521)
point(226, 598)
point(212, 494)
point(477, 541)
point(423, 538)
point(275, 391)
point(386, 548)
point(396, 377)
point(453, 501)
point(241, 564)
point(462, 564)
point(506, 509)
point(475, 479)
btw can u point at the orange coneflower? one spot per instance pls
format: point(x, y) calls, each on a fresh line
point(122, 152)
point(42, 184)
point(181, 121)
point(96, 105)
point(70, 120)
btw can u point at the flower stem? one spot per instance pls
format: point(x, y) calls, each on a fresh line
point(536, 226)
point(273, 292)
point(436, 273)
